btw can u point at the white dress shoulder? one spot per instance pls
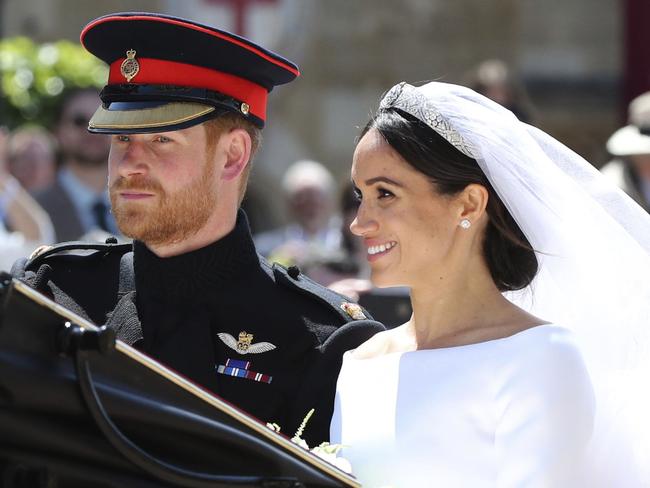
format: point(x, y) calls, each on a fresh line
point(511, 412)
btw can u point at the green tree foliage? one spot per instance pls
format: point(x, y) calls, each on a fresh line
point(36, 76)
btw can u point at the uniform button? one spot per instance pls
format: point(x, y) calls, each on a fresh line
point(111, 240)
point(294, 271)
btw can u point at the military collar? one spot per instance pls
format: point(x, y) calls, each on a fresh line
point(186, 276)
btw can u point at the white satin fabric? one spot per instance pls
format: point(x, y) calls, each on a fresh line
point(511, 412)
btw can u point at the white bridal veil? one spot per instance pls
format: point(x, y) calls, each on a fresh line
point(593, 245)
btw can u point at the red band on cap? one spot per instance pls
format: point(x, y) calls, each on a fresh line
point(159, 72)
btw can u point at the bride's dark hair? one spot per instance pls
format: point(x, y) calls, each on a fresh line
point(508, 254)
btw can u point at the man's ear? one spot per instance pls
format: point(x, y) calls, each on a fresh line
point(237, 147)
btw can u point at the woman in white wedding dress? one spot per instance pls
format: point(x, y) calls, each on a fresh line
point(525, 361)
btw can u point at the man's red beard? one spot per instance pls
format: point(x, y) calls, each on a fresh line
point(165, 218)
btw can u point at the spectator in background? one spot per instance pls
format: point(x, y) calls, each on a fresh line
point(29, 225)
point(492, 78)
point(630, 147)
point(78, 201)
point(31, 158)
point(313, 233)
point(343, 271)
point(351, 244)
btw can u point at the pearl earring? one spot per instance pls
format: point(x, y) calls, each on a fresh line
point(465, 224)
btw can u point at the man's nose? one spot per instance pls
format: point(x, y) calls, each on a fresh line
point(132, 160)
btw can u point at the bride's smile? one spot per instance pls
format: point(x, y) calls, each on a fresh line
point(375, 251)
point(408, 228)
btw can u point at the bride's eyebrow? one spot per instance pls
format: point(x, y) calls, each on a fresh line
point(382, 179)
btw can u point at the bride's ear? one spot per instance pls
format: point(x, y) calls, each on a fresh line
point(473, 201)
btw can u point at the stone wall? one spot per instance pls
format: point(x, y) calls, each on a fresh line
point(350, 52)
point(45, 20)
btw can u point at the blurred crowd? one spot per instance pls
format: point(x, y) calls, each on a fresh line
point(53, 182)
point(53, 187)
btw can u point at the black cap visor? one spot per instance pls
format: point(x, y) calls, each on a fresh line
point(138, 109)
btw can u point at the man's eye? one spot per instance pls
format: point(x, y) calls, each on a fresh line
point(122, 138)
point(163, 139)
point(383, 193)
point(357, 195)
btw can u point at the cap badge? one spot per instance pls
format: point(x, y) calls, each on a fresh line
point(245, 108)
point(245, 343)
point(354, 310)
point(130, 66)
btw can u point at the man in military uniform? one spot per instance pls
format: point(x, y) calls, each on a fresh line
point(184, 105)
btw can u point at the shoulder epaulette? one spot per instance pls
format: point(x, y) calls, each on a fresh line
point(294, 279)
point(88, 278)
point(76, 248)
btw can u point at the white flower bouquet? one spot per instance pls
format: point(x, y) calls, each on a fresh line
point(325, 450)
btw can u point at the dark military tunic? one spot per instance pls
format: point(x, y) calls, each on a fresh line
point(267, 340)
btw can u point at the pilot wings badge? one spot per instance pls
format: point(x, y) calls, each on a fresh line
point(244, 345)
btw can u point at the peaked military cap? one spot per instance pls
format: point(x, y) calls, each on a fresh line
point(168, 73)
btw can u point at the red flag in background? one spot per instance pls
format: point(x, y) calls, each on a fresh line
point(240, 9)
point(636, 76)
